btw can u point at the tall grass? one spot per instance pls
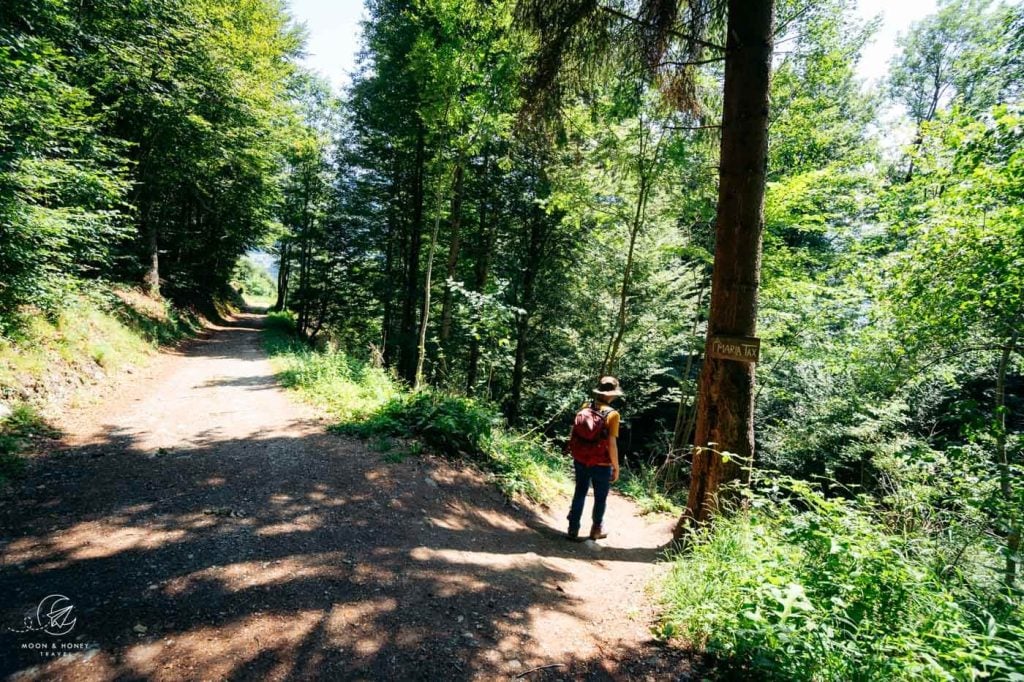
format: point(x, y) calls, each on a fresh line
point(640, 483)
point(347, 389)
point(369, 403)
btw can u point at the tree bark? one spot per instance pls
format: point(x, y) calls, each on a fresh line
point(283, 272)
point(151, 279)
point(1003, 463)
point(421, 346)
point(453, 255)
point(407, 358)
point(303, 293)
point(725, 415)
point(481, 269)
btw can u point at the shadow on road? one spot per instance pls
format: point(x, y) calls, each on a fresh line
point(298, 557)
point(280, 557)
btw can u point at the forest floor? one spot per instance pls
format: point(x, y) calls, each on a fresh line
point(205, 526)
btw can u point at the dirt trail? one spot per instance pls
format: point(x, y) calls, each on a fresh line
point(204, 526)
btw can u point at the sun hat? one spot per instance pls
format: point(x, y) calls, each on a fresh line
point(607, 388)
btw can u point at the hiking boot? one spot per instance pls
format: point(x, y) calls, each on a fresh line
point(573, 534)
point(597, 533)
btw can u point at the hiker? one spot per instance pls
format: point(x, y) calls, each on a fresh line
point(595, 455)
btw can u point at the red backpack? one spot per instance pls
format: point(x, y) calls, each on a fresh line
point(588, 443)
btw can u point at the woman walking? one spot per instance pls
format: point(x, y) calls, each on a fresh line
point(595, 455)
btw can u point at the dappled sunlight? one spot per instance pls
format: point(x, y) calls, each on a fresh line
point(526, 563)
point(305, 522)
point(89, 540)
point(225, 551)
point(344, 615)
point(214, 652)
point(244, 575)
point(461, 516)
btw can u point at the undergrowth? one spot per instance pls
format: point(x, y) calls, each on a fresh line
point(51, 357)
point(640, 483)
point(346, 388)
point(369, 403)
point(22, 425)
point(100, 327)
point(801, 587)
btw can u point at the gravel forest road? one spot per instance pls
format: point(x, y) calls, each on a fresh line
point(203, 525)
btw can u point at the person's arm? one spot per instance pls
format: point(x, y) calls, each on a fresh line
point(613, 453)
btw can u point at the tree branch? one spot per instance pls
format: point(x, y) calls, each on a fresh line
point(622, 15)
point(708, 127)
point(699, 62)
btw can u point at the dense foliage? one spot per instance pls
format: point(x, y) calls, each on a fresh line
point(138, 140)
point(370, 403)
point(823, 591)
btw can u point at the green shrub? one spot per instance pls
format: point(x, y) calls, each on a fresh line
point(449, 425)
point(283, 323)
point(12, 465)
point(527, 465)
point(640, 482)
point(369, 403)
point(16, 429)
point(808, 588)
point(347, 388)
point(456, 426)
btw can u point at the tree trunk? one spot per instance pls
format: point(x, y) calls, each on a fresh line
point(387, 333)
point(726, 407)
point(481, 270)
point(407, 359)
point(151, 279)
point(645, 172)
point(1003, 463)
point(611, 355)
point(386, 338)
point(454, 246)
point(686, 415)
point(303, 293)
point(523, 324)
point(453, 255)
point(421, 346)
point(919, 136)
point(283, 271)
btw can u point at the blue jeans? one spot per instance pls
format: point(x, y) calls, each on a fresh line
point(601, 477)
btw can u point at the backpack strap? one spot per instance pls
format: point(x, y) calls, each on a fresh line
point(604, 417)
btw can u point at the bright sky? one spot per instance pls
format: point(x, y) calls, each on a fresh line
point(896, 19)
point(333, 27)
